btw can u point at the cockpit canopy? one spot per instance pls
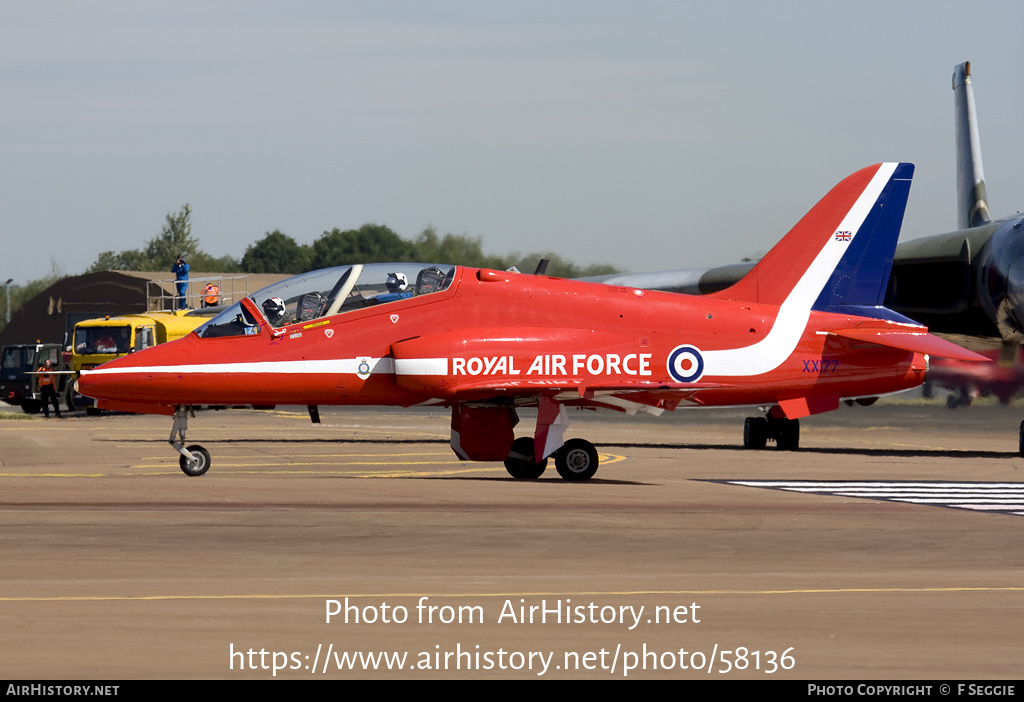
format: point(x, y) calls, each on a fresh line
point(331, 291)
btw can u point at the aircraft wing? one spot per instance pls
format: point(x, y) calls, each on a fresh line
point(653, 398)
point(575, 391)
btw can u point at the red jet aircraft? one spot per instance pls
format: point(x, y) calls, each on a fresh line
point(802, 331)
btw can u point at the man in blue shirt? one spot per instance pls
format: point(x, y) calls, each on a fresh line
point(180, 271)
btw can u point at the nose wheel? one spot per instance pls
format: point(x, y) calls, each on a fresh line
point(197, 463)
point(194, 460)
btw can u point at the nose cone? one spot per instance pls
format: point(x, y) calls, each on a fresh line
point(131, 378)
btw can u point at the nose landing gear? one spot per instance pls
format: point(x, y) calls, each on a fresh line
point(195, 460)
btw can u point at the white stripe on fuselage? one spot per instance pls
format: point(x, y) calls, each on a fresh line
point(421, 366)
point(791, 321)
point(327, 366)
point(402, 366)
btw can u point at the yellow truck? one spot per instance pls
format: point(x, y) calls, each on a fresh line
point(97, 341)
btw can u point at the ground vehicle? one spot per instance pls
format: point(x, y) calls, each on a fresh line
point(18, 384)
point(100, 340)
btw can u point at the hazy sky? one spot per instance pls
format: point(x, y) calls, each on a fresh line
point(647, 134)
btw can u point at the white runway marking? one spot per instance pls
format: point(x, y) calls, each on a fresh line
point(1005, 498)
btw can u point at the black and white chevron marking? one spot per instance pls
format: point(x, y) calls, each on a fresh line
point(1005, 498)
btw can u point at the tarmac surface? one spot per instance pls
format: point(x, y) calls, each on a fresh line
point(362, 547)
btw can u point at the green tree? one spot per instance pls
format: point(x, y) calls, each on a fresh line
point(458, 249)
point(276, 253)
point(175, 239)
point(132, 260)
point(468, 251)
point(371, 243)
point(203, 261)
point(159, 254)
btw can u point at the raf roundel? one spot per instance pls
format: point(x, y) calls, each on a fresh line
point(685, 364)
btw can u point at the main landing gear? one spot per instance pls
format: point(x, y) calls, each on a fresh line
point(195, 460)
point(576, 460)
point(485, 432)
point(784, 432)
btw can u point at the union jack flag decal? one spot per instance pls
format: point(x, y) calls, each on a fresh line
point(844, 236)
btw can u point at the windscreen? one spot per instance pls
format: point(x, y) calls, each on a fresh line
point(332, 291)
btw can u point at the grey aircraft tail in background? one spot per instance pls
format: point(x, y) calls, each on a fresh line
point(969, 281)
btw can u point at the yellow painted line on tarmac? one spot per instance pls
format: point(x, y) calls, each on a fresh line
point(269, 461)
point(24, 427)
point(270, 456)
point(261, 467)
point(54, 475)
point(371, 473)
point(488, 595)
point(355, 473)
point(605, 459)
point(286, 462)
point(395, 473)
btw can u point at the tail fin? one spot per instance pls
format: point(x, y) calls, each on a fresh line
point(836, 259)
point(972, 199)
point(841, 252)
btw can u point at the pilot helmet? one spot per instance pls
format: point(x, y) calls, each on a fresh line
point(397, 282)
point(274, 309)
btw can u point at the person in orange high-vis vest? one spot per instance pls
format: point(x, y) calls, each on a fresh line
point(47, 389)
point(211, 295)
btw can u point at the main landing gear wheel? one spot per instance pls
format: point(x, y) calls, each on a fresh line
point(785, 433)
point(576, 460)
point(755, 433)
point(520, 463)
point(198, 464)
point(787, 437)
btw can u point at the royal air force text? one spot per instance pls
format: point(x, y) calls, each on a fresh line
point(635, 364)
